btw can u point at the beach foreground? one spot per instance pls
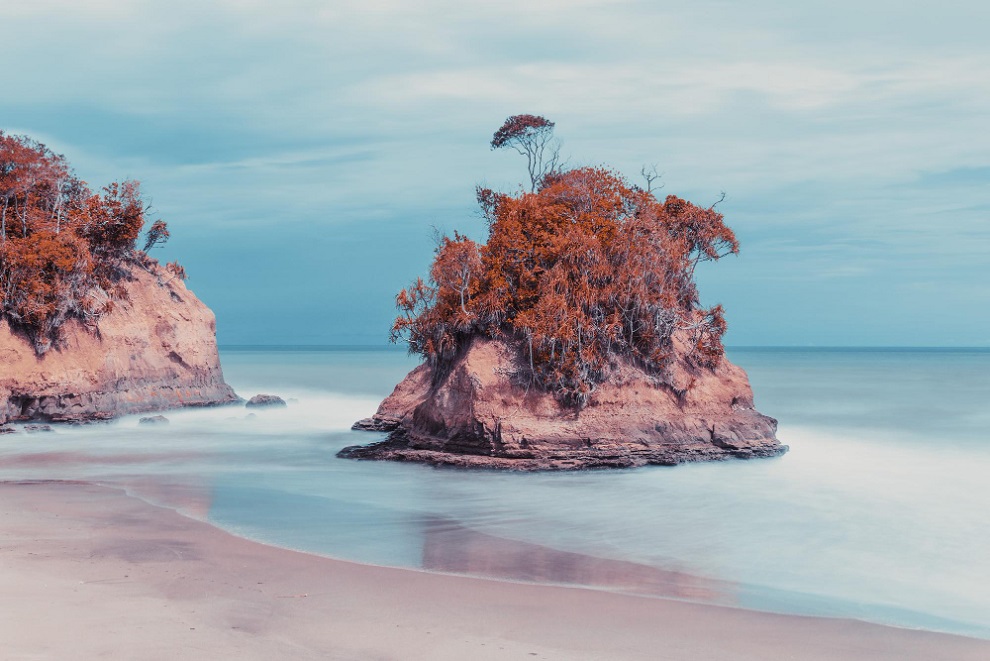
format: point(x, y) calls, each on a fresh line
point(90, 572)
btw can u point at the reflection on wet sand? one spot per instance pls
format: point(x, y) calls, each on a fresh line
point(192, 497)
point(449, 547)
point(69, 459)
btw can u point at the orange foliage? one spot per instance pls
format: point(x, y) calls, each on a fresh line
point(437, 319)
point(157, 235)
point(176, 270)
point(579, 272)
point(112, 223)
point(62, 248)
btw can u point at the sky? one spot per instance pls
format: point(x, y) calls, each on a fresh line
point(302, 151)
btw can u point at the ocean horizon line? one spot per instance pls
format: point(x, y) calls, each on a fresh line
point(741, 347)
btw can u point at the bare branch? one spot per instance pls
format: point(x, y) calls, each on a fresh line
point(651, 175)
point(718, 201)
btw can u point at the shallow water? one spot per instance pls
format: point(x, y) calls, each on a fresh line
point(878, 512)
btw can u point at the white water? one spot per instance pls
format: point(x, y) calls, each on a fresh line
point(877, 512)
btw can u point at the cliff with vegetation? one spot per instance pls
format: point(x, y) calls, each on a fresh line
point(91, 327)
point(574, 336)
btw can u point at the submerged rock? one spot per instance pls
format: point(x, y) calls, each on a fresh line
point(154, 420)
point(33, 429)
point(261, 401)
point(156, 350)
point(479, 415)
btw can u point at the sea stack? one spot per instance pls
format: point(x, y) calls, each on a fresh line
point(574, 337)
point(92, 327)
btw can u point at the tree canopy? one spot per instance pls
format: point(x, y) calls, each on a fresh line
point(63, 248)
point(582, 271)
point(531, 136)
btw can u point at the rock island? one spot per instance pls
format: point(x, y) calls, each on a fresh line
point(574, 337)
point(91, 327)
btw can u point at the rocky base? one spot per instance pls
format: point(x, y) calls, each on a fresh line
point(398, 447)
point(478, 416)
point(157, 350)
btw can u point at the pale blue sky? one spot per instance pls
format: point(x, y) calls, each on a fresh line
point(300, 151)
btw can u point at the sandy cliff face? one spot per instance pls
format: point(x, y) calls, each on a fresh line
point(155, 351)
point(478, 416)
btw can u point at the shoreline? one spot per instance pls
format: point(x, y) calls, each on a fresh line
point(89, 570)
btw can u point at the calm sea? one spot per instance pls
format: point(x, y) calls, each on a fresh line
point(879, 511)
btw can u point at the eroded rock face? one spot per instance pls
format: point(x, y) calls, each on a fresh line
point(480, 416)
point(155, 351)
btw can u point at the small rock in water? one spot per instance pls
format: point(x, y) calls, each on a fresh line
point(37, 428)
point(265, 400)
point(4, 429)
point(153, 420)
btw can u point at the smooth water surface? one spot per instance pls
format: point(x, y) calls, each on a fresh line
point(878, 512)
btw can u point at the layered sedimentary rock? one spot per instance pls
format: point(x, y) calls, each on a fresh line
point(480, 414)
point(156, 350)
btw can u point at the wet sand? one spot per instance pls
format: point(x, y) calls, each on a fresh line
point(88, 572)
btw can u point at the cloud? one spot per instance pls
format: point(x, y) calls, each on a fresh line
point(850, 137)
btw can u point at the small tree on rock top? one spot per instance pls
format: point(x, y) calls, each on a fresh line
point(156, 235)
point(531, 136)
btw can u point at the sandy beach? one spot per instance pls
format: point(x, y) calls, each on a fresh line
point(89, 572)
